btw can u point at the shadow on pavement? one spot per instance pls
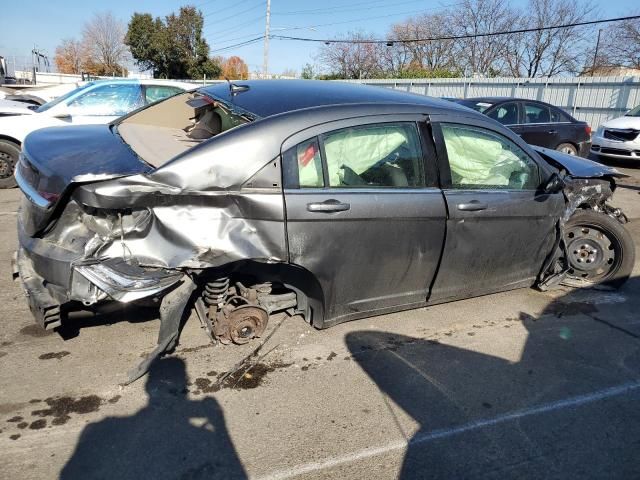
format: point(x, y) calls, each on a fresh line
point(567, 408)
point(172, 437)
point(76, 320)
point(614, 162)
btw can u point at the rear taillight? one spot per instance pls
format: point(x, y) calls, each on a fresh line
point(50, 197)
point(587, 129)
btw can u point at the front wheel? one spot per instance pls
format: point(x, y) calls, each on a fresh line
point(567, 148)
point(599, 250)
point(9, 153)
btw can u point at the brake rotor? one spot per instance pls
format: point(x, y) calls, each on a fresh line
point(241, 324)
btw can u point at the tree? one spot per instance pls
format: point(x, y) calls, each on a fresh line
point(482, 55)
point(425, 56)
point(352, 60)
point(234, 68)
point(549, 52)
point(144, 38)
point(103, 39)
point(289, 73)
point(101, 51)
point(70, 56)
point(173, 47)
point(455, 42)
point(308, 72)
point(620, 44)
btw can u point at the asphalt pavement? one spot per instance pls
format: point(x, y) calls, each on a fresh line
point(521, 384)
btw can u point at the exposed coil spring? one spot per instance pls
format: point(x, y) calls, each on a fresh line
point(215, 291)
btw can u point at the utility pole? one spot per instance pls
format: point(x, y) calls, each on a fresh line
point(595, 55)
point(265, 64)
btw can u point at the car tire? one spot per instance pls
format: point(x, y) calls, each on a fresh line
point(9, 153)
point(600, 250)
point(567, 148)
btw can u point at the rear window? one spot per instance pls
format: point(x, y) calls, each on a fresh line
point(168, 128)
point(476, 105)
point(634, 112)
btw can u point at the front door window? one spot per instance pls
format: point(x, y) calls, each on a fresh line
point(506, 114)
point(479, 158)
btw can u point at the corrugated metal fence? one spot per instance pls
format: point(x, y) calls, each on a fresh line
point(592, 99)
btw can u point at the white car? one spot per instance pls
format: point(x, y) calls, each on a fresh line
point(12, 107)
point(619, 138)
point(37, 95)
point(95, 102)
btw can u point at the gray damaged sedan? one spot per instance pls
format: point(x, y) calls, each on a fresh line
point(325, 199)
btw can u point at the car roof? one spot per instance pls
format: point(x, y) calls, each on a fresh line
point(146, 81)
point(266, 98)
point(504, 99)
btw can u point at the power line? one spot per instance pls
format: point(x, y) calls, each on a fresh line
point(360, 19)
point(241, 37)
point(215, 12)
point(458, 37)
point(237, 26)
point(238, 45)
point(220, 20)
point(332, 23)
point(328, 10)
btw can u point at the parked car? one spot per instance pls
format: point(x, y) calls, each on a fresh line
point(331, 200)
point(620, 137)
point(538, 123)
point(37, 95)
point(10, 108)
point(94, 102)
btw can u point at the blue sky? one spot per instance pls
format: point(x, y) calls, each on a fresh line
point(44, 23)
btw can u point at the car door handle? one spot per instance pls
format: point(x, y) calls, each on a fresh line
point(328, 206)
point(472, 206)
point(552, 131)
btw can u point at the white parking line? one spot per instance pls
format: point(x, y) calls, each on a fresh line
point(448, 432)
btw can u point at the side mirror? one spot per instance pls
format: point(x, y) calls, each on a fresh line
point(555, 184)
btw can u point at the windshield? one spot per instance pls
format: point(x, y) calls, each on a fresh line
point(476, 105)
point(634, 112)
point(53, 103)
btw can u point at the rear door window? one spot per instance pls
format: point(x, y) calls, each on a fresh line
point(307, 157)
point(381, 155)
point(534, 113)
point(387, 155)
point(558, 116)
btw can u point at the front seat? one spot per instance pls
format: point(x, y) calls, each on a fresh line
point(511, 118)
point(396, 175)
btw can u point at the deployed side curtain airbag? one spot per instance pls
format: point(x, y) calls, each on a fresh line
point(360, 148)
point(479, 158)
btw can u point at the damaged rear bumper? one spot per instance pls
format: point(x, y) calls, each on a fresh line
point(53, 277)
point(46, 309)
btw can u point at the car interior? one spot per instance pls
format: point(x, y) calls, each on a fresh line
point(478, 159)
point(506, 114)
point(377, 156)
point(161, 132)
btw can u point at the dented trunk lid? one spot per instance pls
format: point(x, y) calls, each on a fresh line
point(53, 159)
